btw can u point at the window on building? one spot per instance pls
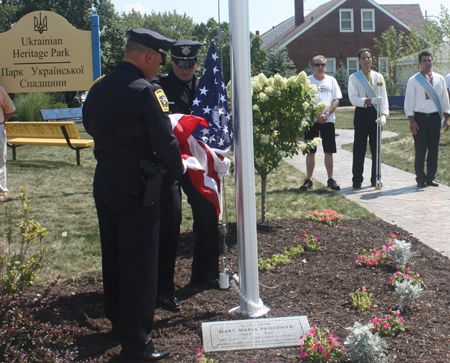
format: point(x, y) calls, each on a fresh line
point(383, 65)
point(352, 65)
point(346, 20)
point(331, 66)
point(367, 20)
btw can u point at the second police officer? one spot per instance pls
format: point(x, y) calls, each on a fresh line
point(179, 85)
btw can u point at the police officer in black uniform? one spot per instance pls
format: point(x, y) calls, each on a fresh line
point(179, 86)
point(127, 117)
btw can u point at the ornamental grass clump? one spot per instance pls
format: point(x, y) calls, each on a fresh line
point(361, 299)
point(363, 346)
point(405, 273)
point(390, 325)
point(320, 346)
point(328, 216)
point(401, 253)
point(312, 243)
point(408, 293)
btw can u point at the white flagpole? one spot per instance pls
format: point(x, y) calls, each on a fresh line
point(250, 302)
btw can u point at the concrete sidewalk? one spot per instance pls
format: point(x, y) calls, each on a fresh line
point(423, 212)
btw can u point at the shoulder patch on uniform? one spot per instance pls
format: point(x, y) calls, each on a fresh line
point(162, 99)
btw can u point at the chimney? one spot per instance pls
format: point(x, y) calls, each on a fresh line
point(299, 15)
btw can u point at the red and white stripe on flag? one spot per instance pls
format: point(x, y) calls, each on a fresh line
point(198, 157)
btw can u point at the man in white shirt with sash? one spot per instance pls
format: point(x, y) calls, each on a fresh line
point(426, 106)
point(366, 91)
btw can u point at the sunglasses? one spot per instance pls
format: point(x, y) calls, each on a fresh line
point(320, 64)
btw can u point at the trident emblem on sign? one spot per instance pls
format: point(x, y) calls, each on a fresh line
point(40, 26)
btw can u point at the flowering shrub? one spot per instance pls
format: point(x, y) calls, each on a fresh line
point(405, 273)
point(312, 243)
point(328, 216)
point(361, 299)
point(283, 109)
point(310, 144)
point(390, 325)
point(320, 346)
point(375, 258)
point(201, 358)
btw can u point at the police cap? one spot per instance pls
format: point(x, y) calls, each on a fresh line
point(184, 53)
point(152, 40)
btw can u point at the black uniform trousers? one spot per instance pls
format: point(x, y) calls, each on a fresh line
point(129, 238)
point(365, 125)
point(206, 250)
point(427, 139)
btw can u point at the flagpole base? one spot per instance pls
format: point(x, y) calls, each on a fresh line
point(254, 313)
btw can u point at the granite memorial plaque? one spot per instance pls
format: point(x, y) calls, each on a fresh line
point(253, 333)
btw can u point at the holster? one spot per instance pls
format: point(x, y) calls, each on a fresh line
point(152, 177)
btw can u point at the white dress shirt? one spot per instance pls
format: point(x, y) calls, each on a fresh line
point(415, 99)
point(357, 94)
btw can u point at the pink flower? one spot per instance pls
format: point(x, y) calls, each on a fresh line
point(363, 288)
point(398, 312)
point(308, 232)
point(374, 329)
point(407, 269)
point(327, 356)
point(386, 326)
point(322, 349)
point(303, 354)
point(401, 320)
point(333, 347)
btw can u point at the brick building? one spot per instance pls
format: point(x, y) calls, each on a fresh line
point(338, 29)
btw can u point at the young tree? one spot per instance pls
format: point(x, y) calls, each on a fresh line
point(391, 46)
point(282, 110)
point(341, 76)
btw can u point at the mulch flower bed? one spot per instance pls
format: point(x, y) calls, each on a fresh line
point(316, 284)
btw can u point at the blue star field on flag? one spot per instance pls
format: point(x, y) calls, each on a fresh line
point(211, 103)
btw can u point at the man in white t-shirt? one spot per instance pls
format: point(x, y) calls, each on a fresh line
point(328, 91)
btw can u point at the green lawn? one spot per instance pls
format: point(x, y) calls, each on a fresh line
point(399, 151)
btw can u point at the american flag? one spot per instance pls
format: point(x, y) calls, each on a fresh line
point(205, 148)
point(211, 103)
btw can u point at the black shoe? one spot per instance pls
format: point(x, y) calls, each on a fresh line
point(332, 184)
point(421, 185)
point(356, 186)
point(214, 283)
point(374, 184)
point(153, 356)
point(168, 302)
point(308, 184)
point(432, 184)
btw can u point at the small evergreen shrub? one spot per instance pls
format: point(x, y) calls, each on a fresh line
point(361, 299)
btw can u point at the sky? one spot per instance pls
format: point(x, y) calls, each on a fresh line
point(263, 14)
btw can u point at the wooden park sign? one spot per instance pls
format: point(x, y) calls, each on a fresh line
point(44, 53)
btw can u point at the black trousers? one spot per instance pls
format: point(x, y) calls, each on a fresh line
point(365, 125)
point(206, 249)
point(426, 144)
point(129, 239)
